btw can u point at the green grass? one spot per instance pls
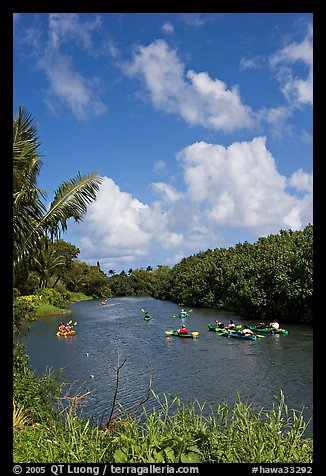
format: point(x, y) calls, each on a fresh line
point(169, 433)
point(77, 296)
point(45, 309)
point(225, 435)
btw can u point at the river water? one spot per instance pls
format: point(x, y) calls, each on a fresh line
point(209, 368)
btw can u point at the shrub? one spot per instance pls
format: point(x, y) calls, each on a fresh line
point(53, 297)
point(24, 309)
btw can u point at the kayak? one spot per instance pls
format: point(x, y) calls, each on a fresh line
point(213, 327)
point(238, 336)
point(176, 333)
point(269, 330)
point(66, 334)
point(147, 318)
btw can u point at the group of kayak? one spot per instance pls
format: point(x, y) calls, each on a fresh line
point(246, 332)
point(183, 331)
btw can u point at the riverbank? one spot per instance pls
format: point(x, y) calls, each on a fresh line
point(45, 309)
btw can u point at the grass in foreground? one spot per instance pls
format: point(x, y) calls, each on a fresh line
point(171, 433)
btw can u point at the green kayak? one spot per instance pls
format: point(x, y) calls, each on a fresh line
point(176, 333)
point(213, 327)
point(268, 330)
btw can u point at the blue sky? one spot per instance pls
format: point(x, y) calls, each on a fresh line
point(200, 125)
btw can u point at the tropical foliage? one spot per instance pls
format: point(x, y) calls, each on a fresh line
point(33, 223)
point(265, 280)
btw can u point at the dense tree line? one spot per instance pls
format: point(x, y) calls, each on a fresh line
point(272, 278)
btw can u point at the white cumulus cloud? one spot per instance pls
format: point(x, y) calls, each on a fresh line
point(240, 186)
point(295, 88)
point(222, 187)
point(196, 97)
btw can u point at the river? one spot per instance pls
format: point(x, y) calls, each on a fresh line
point(209, 368)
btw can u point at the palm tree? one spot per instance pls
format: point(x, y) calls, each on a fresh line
point(31, 221)
point(47, 261)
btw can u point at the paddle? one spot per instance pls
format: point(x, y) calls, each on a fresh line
point(75, 323)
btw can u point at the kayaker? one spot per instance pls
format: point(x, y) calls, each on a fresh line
point(183, 314)
point(62, 327)
point(245, 330)
point(275, 324)
point(231, 325)
point(219, 324)
point(68, 327)
point(183, 330)
point(147, 315)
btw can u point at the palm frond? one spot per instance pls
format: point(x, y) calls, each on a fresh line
point(70, 201)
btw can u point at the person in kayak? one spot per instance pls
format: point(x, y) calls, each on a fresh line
point(245, 330)
point(62, 327)
point(68, 327)
point(219, 324)
point(147, 315)
point(231, 325)
point(183, 330)
point(183, 314)
point(275, 324)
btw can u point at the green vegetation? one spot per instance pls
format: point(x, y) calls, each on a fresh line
point(45, 302)
point(272, 278)
point(34, 226)
point(172, 433)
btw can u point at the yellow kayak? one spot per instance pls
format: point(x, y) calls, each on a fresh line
point(66, 334)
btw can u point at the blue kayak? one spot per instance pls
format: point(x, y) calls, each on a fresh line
point(238, 335)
